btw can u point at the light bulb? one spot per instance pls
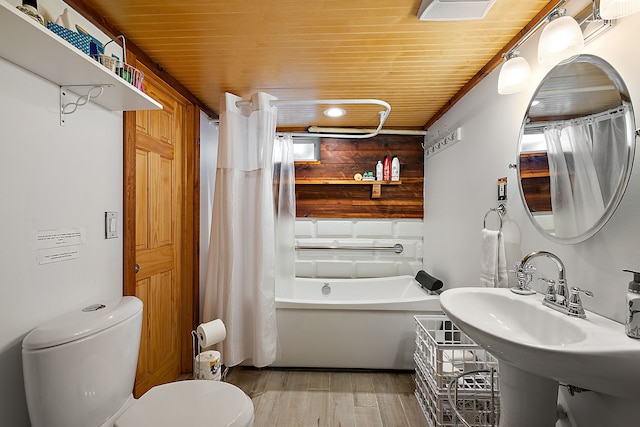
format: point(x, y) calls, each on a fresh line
point(334, 112)
point(514, 75)
point(614, 9)
point(560, 39)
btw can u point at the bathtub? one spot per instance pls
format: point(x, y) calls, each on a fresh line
point(351, 323)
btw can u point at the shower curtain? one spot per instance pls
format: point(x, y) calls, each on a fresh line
point(580, 160)
point(285, 208)
point(240, 286)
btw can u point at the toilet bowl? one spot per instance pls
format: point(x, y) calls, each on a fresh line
point(79, 371)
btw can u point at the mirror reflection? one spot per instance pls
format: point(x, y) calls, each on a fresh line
point(576, 149)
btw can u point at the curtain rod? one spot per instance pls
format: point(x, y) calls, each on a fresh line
point(383, 114)
point(611, 113)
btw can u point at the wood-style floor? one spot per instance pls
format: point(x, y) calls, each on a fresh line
point(301, 398)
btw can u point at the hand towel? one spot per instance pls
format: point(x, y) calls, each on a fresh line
point(493, 265)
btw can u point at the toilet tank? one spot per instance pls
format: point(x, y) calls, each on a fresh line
point(79, 368)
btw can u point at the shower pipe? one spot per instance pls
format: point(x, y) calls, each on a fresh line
point(383, 114)
point(397, 248)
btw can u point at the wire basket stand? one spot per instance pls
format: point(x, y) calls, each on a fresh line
point(462, 392)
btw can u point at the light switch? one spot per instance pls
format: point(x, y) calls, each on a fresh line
point(110, 225)
point(502, 189)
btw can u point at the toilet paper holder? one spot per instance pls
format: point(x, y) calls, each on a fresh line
point(205, 335)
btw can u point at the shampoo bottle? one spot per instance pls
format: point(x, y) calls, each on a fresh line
point(395, 168)
point(379, 171)
point(386, 169)
point(632, 323)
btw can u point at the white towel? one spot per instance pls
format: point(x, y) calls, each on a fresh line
point(493, 265)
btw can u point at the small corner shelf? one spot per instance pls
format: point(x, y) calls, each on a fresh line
point(38, 50)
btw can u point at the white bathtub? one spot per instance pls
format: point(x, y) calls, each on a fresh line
point(360, 323)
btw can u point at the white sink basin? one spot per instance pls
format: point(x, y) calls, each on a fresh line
point(592, 353)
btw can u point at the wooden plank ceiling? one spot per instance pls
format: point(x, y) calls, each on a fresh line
point(321, 49)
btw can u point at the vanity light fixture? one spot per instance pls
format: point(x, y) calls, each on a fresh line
point(514, 74)
point(614, 9)
point(561, 38)
point(334, 112)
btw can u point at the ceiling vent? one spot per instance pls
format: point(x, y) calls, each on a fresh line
point(453, 10)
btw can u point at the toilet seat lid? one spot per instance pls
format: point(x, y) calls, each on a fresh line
point(197, 403)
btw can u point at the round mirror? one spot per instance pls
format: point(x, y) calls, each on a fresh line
point(576, 149)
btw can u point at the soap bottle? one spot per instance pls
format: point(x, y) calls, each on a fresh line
point(395, 168)
point(30, 7)
point(632, 323)
point(386, 169)
point(379, 171)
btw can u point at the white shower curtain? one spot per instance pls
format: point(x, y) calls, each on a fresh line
point(240, 286)
point(586, 161)
point(576, 197)
point(285, 206)
point(609, 152)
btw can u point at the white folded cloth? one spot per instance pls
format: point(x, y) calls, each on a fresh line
point(493, 263)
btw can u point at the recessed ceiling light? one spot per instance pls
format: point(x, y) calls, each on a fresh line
point(334, 112)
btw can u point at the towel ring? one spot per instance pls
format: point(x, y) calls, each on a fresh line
point(500, 210)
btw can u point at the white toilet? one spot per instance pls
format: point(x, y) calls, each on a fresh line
point(79, 371)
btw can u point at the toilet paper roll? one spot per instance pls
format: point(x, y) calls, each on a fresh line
point(211, 333)
point(208, 365)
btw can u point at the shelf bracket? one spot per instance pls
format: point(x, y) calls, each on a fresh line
point(70, 106)
point(376, 191)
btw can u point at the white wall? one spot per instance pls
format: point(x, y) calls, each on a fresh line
point(51, 177)
point(461, 184)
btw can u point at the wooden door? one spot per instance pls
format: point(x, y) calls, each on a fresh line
point(157, 203)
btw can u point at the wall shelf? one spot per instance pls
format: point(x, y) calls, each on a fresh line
point(40, 51)
point(376, 186)
point(345, 182)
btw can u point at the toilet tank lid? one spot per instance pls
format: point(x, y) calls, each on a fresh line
point(81, 323)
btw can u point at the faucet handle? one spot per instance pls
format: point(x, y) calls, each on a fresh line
point(519, 268)
point(575, 303)
point(524, 275)
point(550, 294)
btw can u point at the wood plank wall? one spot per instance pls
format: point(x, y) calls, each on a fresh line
point(342, 159)
point(535, 181)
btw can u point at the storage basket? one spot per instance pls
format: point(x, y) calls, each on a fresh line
point(443, 351)
point(445, 355)
point(80, 41)
point(132, 75)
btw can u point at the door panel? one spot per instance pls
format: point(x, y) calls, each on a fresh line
point(162, 202)
point(162, 308)
point(142, 196)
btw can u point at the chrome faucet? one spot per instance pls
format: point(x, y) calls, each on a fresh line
point(557, 295)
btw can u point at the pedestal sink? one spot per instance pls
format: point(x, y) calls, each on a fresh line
point(538, 347)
